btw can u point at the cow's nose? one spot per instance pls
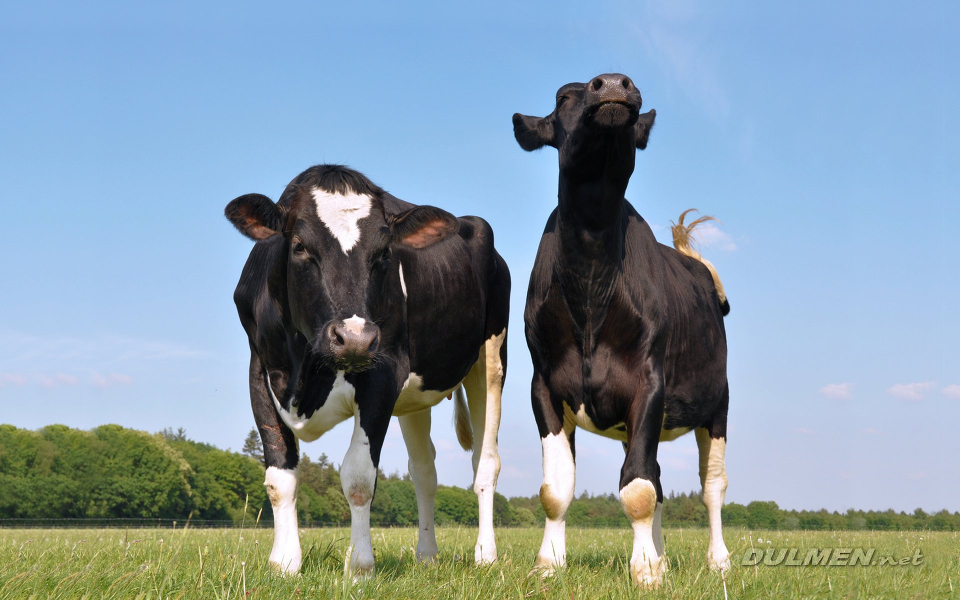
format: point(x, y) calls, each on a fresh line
point(353, 342)
point(610, 87)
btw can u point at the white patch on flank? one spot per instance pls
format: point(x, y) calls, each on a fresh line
point(413, 398)
point(713, 477)
point(358, 476)
point(355, 324)
point(338, 407)
point(281, 487)
point(340, 213)
point(484, 386)
point(403, 283)
point(422, 467)
point(556, 493)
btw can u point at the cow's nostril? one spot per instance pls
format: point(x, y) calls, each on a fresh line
point(626, 83)
point(339, 338)
point(596, 84)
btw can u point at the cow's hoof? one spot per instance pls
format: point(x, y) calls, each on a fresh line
point(722, 565)
point(544, 567)
point(485, 555)
point(286, 566)
point(648, 574)
point(427, 558)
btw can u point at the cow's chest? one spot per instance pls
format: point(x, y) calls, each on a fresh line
point(338, 406)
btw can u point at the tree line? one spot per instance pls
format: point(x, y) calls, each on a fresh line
point(111, 472)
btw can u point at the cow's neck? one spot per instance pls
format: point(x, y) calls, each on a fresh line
point(591, 226)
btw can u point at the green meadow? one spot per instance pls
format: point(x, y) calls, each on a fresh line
point(232, 563)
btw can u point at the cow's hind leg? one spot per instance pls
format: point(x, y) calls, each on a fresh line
point(713, 478)
point(416, 435)
point(281, 456)
point(484, 386)
point(559, 474)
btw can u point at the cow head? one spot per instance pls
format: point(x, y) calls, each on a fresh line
point(587, 120)
point(342, 281)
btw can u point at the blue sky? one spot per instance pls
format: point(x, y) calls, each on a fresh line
point(820, 134)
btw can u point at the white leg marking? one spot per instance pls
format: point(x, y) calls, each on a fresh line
point(416, 435)
point(713, 478)
point(358, 476)
point(281, 487)
point(340, 214)
point(556, 493)
point(403, 283)
point(639, 500)
point(354, 324)
point(484, 386)
point(657, 530)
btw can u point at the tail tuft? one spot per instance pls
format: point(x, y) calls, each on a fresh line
point(461, 419)
point(682, 238)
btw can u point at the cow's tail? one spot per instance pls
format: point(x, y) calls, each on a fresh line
point(461, 419)
point(682, 237)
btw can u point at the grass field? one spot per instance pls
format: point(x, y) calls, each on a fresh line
point(154, 563)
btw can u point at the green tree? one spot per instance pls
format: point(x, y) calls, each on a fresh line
point(252, 446)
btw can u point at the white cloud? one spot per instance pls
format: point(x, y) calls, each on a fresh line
point(58, 379)
point(805, 431)
point(872, 431)
point(837, 391)
point(103, 381)
point(712, 236)
point(12, 379)
point(910, 391)
point(952, 391)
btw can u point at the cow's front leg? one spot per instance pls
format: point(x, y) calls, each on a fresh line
point(422, 465)
point(640, 491)
point(358, 476)
point(281, 456)
point(559, 474)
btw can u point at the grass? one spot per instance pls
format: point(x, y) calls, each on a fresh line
point(189, 563)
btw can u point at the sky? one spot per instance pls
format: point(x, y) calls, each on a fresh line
point(819, 134)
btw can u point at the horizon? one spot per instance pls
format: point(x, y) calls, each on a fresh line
point(821, 144)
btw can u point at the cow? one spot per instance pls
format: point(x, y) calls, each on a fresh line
point(358, 304)
point(626, 335)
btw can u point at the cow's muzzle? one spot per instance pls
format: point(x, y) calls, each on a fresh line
point(612, 100)
point(353, 343)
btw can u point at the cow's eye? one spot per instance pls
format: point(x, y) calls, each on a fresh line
point(299, 249)
point(381, 257)
point(561, 100)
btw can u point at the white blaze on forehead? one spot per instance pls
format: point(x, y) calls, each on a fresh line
point(340, 213)
point(355, 324)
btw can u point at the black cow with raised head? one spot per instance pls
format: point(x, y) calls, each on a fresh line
point(357, 304)
point(626, 334)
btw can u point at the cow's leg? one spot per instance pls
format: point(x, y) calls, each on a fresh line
point(484, 385)
point(281, 456)
point(559, 474)
point(657, 518)
point(358, 477)
point(713, 478)
point(416, 435)
point(640, 491)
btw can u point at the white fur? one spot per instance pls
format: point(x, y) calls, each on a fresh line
point(413, 398)
point(358, 477)
point(646, 566)
point(354, 324)
point(403, 283)
point(338, 407)
point(657, 529)
point(340, 213)
point(281, 487)
point(713, 477)
point(484, 385)
point(422, 467)
point(559, 476)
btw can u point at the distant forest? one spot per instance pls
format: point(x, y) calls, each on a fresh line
point(112, 472)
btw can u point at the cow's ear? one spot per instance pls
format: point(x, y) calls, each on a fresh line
point(423, 226)
point(643, 127)
point(533, 133)
point(255, 215)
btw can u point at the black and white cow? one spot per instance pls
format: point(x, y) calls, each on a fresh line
point(626, 334)
point(357, 304)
